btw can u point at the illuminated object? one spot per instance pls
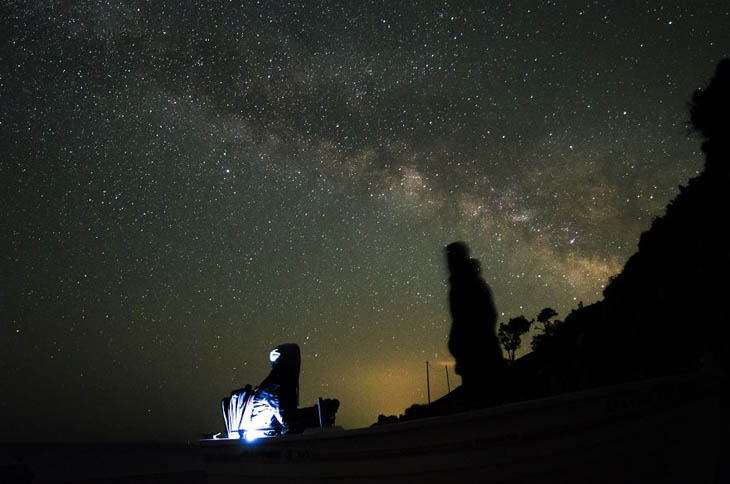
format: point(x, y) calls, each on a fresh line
point(255, 434)
point(252, 413)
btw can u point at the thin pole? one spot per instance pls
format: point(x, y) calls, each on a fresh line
point(319, 411)
point(448, 385)
point(428, 384)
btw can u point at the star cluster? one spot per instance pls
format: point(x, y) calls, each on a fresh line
point(187, 185)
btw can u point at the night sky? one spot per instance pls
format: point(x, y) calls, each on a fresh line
point(187, 184)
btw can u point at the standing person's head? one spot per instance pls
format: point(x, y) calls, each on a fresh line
point(457, 253)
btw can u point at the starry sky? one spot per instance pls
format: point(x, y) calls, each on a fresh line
point(187, 184)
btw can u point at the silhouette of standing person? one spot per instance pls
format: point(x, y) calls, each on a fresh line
point(473, 340)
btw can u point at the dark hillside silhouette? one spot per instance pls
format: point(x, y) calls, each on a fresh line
point(669, 295)
point(664, 312)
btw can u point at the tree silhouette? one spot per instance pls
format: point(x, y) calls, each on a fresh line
point(548, 328)
point(546, 315)
point(510, 334)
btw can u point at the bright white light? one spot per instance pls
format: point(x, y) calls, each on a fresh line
point(274, 355)
point(254, 434)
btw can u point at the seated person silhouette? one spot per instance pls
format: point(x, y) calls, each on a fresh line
point(266, 410)
point(270, 409)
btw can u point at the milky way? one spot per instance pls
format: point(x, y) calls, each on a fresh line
point(187, 186)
